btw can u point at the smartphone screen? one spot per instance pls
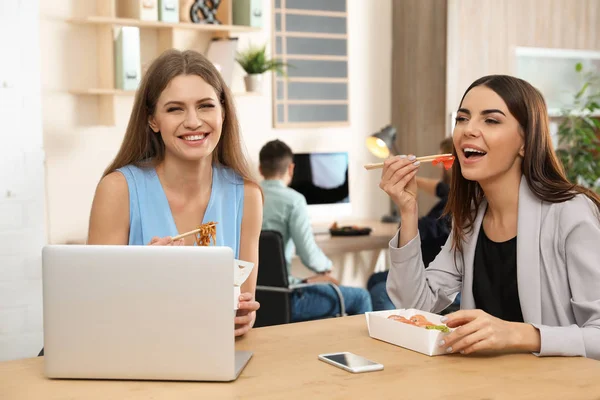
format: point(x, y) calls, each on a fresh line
point(350, 360)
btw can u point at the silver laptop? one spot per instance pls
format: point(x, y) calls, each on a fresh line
point(140, 312)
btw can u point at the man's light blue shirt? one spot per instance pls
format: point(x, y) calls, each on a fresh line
point(286, 211)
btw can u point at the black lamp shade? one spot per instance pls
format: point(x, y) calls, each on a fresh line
point(381, 144)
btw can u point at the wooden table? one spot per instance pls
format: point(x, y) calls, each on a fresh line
point(285, 366)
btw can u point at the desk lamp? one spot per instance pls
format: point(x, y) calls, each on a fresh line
point(382, 144)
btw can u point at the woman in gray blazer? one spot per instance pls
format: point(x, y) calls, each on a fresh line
point(525, 245)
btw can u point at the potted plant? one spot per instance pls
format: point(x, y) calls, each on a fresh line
point(579, 133)
point(255, 62)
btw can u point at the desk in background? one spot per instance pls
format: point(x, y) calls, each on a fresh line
point(285, 366)
point(354, 258)
point(379, 238)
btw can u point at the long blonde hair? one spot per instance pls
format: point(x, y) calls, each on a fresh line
point(142, 146)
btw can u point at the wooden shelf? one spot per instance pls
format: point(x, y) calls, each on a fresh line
point(102, 92)
point(118, 92)
point(99, 20)
point(165, 35)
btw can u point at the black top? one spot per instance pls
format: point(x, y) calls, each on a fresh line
point(495, 278)
point(433, 228)
point(442, 190)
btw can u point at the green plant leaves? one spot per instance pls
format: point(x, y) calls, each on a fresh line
point(579, 133)
point(255, 61)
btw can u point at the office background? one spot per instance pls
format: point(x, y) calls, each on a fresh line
point(409, 62)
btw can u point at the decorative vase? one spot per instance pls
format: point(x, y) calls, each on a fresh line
point(253, 82)
point(199, 11)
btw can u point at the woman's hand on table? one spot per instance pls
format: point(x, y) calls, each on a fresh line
point(246, 314)
point(476, 330)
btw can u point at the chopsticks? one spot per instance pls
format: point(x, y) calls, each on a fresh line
point(174, 238)
point(421, 159)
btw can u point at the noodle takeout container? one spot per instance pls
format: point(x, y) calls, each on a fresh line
point(241, 272)
point(410, 337)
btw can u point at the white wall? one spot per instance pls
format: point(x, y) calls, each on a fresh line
point(22, 220)
point(77, 154)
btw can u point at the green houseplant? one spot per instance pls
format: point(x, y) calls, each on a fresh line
point(579, 133)
point(255, 62)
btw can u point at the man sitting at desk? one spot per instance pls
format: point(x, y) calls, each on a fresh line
point(286, 211)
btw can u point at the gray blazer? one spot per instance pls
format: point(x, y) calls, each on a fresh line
point(558, 273)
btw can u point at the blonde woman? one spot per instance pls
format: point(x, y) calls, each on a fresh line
point(180, 165)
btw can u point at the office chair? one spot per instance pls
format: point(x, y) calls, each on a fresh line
point(273, 289)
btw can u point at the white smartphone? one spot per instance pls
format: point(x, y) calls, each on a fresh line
point(350, 362)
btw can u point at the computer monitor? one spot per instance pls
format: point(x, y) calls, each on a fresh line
point(323, 180)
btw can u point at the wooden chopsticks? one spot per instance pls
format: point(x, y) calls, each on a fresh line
point(421, 159)
point(174, 238)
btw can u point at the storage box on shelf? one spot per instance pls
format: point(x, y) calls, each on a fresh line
point(168, 10)
point(248, 12)
point(138, 9)
point(112, 14)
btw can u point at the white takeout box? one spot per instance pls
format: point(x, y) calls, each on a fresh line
point(404, 335)
point(241, 272)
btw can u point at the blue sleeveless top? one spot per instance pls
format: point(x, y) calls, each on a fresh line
point(150, 213)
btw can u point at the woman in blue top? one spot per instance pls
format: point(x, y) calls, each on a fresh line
point(180, 165)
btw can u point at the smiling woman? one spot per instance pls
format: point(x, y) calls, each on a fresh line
point(181, 165)
point(523, 250)
point(189, 126)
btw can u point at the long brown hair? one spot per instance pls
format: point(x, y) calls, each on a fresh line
point(142, 146)
point(543, 171)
